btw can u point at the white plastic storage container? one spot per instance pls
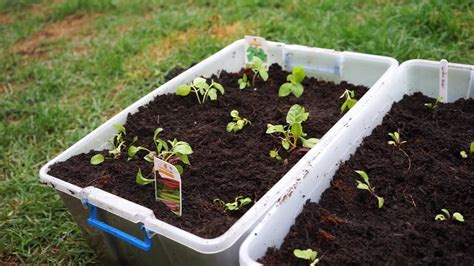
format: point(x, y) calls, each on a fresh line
point(412, 76)
point(119, 220)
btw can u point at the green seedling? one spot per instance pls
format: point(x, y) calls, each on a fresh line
point(258, 68)
point(294, 85)
point(365, 185)
point(396, 140)
point(349, 102)
point(118, 143)
point(239, 202)
point(237, 122)
point(434, 104)
point(464, 154)
point(307, 254)
point(293, 131)
point(243, 82)
point(446, 216)
point(97, 159)
point(201, 89)
point(141, 180)
point(170, 151)
point(274, 154)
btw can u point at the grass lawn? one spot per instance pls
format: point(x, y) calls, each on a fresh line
point(66, 66)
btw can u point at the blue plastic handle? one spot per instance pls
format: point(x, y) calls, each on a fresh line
point(94, 222)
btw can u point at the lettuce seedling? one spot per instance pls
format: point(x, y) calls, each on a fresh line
point(239, 202)
point(396, 140)
point(141, 180)
point(201, 89)
point(307, 254)
point(446, 216)
point(97, 159)
point(365, 185)
point(349, 102)
point(294, 85)
point(118, 142)
point(169, 151)
point(434, 104)
point(274, 154)
point(471, 151)
point(293, 131)
point(243, 82)
point(237, 122)
point(258, 68)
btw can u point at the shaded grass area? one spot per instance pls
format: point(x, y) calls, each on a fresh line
point(74, 76)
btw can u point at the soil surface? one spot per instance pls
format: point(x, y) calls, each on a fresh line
point(223, 165)
point(347, 228)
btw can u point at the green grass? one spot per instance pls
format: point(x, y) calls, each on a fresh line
point(52, 101)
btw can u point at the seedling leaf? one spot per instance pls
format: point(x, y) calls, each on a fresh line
point(296, 114)
point(285, 90)
point(364, 176)
point(294, 85)
point(463, 154)
point(307, 254)
point(120, 128)
point(297, 74)
point(349, 102)
point(274, 154)
point(97, 159)
point(183, 90)
point(380, 201)
point(361, 185)
point(446, 212)
point(458, 217)
point(440, 217)
point(142, 180)
point(274, 129)
point(309, 143)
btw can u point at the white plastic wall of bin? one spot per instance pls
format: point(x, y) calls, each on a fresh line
point(412, 76)
point(184, 248)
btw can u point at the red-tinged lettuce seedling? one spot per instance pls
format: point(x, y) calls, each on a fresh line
point(294, 85)
point(365, 185)
point(201, 89)
point(293, 132)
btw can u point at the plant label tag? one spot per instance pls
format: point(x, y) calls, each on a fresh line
point(256, 46)
point(168, 185)
point(443, 80)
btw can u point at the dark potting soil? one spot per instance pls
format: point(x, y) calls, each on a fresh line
point(224, 165)
point(347, 228)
